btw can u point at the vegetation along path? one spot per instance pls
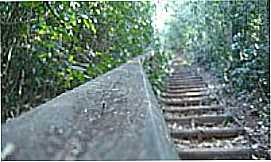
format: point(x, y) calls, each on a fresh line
point(80, 80)
point(199, 126)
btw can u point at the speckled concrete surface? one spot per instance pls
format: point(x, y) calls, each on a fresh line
point(113, 117)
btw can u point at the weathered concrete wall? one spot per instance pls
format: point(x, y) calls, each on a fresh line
point(113, 117)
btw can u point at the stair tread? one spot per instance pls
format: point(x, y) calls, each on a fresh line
point(186, 94)
point(208, 133)
point(225, 129)
point(176, 101)
point(200, 117)
point(186, 90)
point(184, 76)
point(216, 119)
point(215, 153)
point(194, 108)
point(178, 79)
point(182, 79)
point(186, 83)
point(184, 99)
point(185, 86)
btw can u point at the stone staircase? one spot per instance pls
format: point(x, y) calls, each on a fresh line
point(200, 127)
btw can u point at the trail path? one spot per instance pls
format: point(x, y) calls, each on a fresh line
point(200, 127)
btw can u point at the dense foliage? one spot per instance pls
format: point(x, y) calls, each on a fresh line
point(157, 67)
point(230, 38)
point(49, 47)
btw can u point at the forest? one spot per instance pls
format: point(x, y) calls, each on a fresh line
point(230, 40)
point(48, 48)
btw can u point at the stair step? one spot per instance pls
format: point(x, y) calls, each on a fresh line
point(186, 100)
point(193, 108)
point(196, 77)
point(190, 75)
point(186, 94)
point(207, 133)
point(186, 86)
point(186, 90)
point(186, 83)
point(185, 77)
point(213, 119)
point(182, 72)
point(215, 153)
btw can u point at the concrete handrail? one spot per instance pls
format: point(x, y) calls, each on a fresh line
point(112, 117)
